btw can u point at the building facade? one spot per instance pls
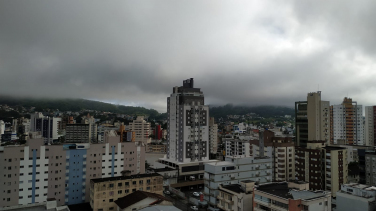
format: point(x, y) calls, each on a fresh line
point(35, 172)
point(213, 136)
point(236, 148)
point(236, 197)
point(47, 126)
point(142, 130)
point(323, 167)
point(187, 124)
point(93, 127)
point(312, 119)
point(356, 197)
point(347, 122)
point(105, 191)
point(370, 125)
point(281, 148)
point(292, 196)
point(233, 171)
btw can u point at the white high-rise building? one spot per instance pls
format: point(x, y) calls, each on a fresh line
point(347, 122)
point(188, 125)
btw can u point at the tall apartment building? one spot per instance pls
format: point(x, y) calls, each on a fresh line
point(356, 197)
point(370, 126)
point(105, 191)
point(312, 119)
point(233, 171)
point(213, 136)
point(35, 172)
point(281, 148)
point(92, 127)
point(347, 122)
point(187, 124)
point(47, 126)
point(324, 167)
point(142, 129)
point(294, 196)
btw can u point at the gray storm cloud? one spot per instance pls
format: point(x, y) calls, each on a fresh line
point(241, 52)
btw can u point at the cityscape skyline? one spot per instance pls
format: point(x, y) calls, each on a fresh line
point(254, 53)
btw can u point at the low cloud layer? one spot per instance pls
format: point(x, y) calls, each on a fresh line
point(240, 52)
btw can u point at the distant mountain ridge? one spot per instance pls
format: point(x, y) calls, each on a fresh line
point(75, 105)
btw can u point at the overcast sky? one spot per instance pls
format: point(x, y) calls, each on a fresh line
point(240, 52)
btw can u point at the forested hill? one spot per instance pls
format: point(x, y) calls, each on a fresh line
point(263, 111)
point(41, 104)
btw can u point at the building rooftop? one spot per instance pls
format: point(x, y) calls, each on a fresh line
point(124, 177)
point(247, 181)
point(163, 169)
point(283, 191)
point(161, 208)
point(333, 148)
point(221, 163)
point(137, 196)
point(234, 188)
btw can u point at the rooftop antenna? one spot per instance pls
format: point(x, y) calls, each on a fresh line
point(318, 87)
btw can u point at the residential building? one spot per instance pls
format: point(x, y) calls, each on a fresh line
point(35, 172)
point(370, 125)
point(126, 135)
point(92, 127)
point(187, 125)
point(356, 197)
point(105, 191)
point(370, 168)
point(233, 171)
point(140, 200)
point(48, 126)
point(213, 136)
point(2, 128)
point(157, 147)
point(292, 196)
point(142, 130)
point(312, 120)
point(170, 175)
point(77, 133)
point(347, 122)
point(236, 148)
point(103, 128)
point(236, 197)
point(157, 132)
point(323, 167)
point(281, 148)
point(66, 120)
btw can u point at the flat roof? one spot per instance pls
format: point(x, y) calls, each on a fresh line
point(124, 177)
point(163, 169)
point(221, 163)
point(334, 148)
point(234, 188)
point(282, 190)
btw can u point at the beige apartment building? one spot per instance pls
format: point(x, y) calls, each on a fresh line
point(312, 118)
point(105, 191)
point(142, 129)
